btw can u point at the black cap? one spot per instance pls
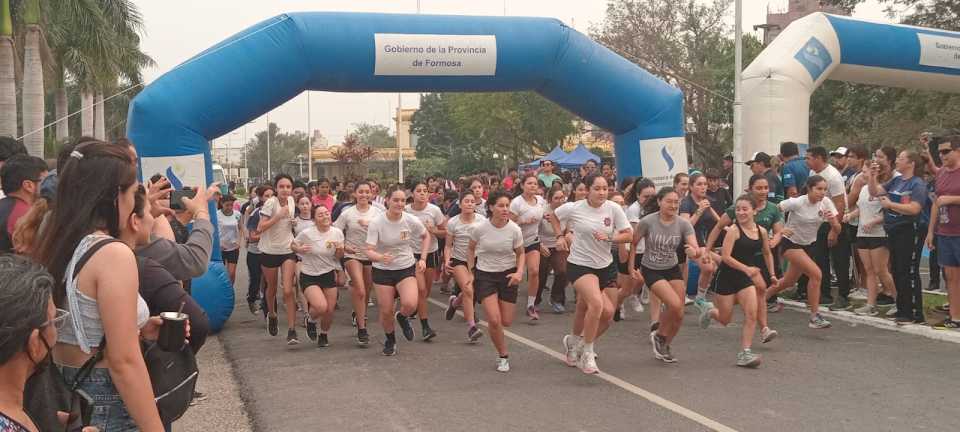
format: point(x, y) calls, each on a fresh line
point(759, 157)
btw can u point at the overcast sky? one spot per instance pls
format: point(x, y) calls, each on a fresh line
point(175, 32)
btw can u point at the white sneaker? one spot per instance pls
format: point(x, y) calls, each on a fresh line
point(623, 312)
point(503, 364)
point(571, 347)
point(588, 363)
point(687, 301)
point(645, 296)
point(637, 304)
point(767, 335)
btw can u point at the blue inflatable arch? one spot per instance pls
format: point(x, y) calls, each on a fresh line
point(173, 119)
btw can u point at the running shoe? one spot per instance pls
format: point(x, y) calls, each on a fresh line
point(292, 338)
point(428, 333)
point(558, 308)
point(254, 308)
point(654, 326)
point(322, 341)
point(687, 301)
point(704, 307)
point(405, 326)
point(273, 325)
point(891, 313)
point(353, 319)
point(818, 322)
point(944, 308)
point(885, 300)
point(859, 294)
point(370, 302)
point(532, 313)
point(748, 359)
point(949, 324)
point(637, 305)
point(503, 364)
point(451, 308)
point(645, 296)
point(363, 338)
point(841, 304)
point(775, 306)
point(474, 334)
point(660, 348)
point(311, 326)
point(588, 363)
point(618, 314)
point(767, 335)
point(572, 350)
point(902, 321)
point(868, 310)
point(390, 347)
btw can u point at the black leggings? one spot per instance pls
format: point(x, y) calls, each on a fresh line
point(256, 276)
point(905, 262)
point(558, 262)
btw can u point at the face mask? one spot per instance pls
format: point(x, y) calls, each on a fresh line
point(46, 361)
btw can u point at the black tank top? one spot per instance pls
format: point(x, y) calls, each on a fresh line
point(745, 249)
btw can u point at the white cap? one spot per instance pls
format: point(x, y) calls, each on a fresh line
point(842, 151)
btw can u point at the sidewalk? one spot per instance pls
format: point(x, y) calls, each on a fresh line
point(223, 410)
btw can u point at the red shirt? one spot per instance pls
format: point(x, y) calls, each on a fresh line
point(948, 184)
point(328, 202)
point(19, 209)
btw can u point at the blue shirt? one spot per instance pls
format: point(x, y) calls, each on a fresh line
point(903, 192)
point(795, 173)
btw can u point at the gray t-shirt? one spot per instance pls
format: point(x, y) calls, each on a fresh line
point(662, 240)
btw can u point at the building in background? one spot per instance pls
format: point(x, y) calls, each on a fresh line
point(779, 16)
point(383, 165)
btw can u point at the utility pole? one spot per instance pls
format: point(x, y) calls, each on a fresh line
point(738, 156)
point(269, 170)
point(309, 143)
point(399, 150)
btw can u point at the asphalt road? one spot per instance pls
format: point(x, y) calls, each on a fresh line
point(848, 378)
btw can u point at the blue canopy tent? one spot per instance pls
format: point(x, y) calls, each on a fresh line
point(577, 157)
point(556, 154)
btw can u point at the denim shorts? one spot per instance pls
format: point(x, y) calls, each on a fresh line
point(948, 251)
point(109, 412)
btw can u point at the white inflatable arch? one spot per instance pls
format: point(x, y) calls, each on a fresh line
point(777, 85)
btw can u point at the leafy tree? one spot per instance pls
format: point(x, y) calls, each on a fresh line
point(374, 135)
point(352, 154)
point(425, 167)
point(284, 151)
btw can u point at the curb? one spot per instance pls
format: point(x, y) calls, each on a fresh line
point(881, 323)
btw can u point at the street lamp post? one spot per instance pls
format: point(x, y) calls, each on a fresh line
point(738, 155)
point(269, 170)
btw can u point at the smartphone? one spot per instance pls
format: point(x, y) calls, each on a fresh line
point(81, 410)
point(933, 146)
point(175, 198)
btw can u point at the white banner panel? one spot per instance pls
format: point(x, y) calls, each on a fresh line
point(939, 51)
point(426, 54)
point(662, 158)
point(180, 170)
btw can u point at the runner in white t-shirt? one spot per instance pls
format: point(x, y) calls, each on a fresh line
point(276, 234)
point(527, 210)
point(804, 215)
point(459, 231)
point(228, 221)
point(552, 258)
point(320, 248)
point(433, 219)
point(354, 222)
point(496, 254)
point(394, 266)
point(596, 224)
point(643, 190)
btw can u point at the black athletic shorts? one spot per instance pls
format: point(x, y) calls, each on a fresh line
point(871, 243)
point(731, 281)
point(433, 259)
point(486, 284)
point(230, 256)
point(623, 267)
point(393, 277)
point(455, 262)
point(274, 261)
point(531, 248)
point(606, 275)
point(786, 244)
point(682, 252)
point(344, 260)
point(651, 276)
point(326, 280)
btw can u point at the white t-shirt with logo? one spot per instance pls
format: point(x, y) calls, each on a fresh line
point(276, 240)
point(461, 233)
point(395, 238)
point(525, 211)
point(496, 247)
point(354, 224)
point(229, 230)
point(322, 258)
point(634, 214)
point(430, 215)
point(835, 185)
point(584, 220)
point(806, 217)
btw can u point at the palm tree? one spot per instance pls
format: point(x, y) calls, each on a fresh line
point(8, 80)
point(33, 95)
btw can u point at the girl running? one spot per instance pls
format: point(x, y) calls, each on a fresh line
point(495, 252)
point(228, 220)
point(432, 218)
point(320, 248)
point(527, 211)
point(621, 254)
point(455, 256)
point(740, 278)
point(304, 219)
point(770, 218)
point(276, 235)
point(389, 246)
point(354, 222)
point(806, 213)
point(640, 193)
point(698, 209)
point(663, 232)
point(552, 258)
point(596, 223)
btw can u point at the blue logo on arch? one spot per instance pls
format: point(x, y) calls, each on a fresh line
point(814, 57)
point(667, 158)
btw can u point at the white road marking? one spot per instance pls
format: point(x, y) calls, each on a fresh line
point(652, 397)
